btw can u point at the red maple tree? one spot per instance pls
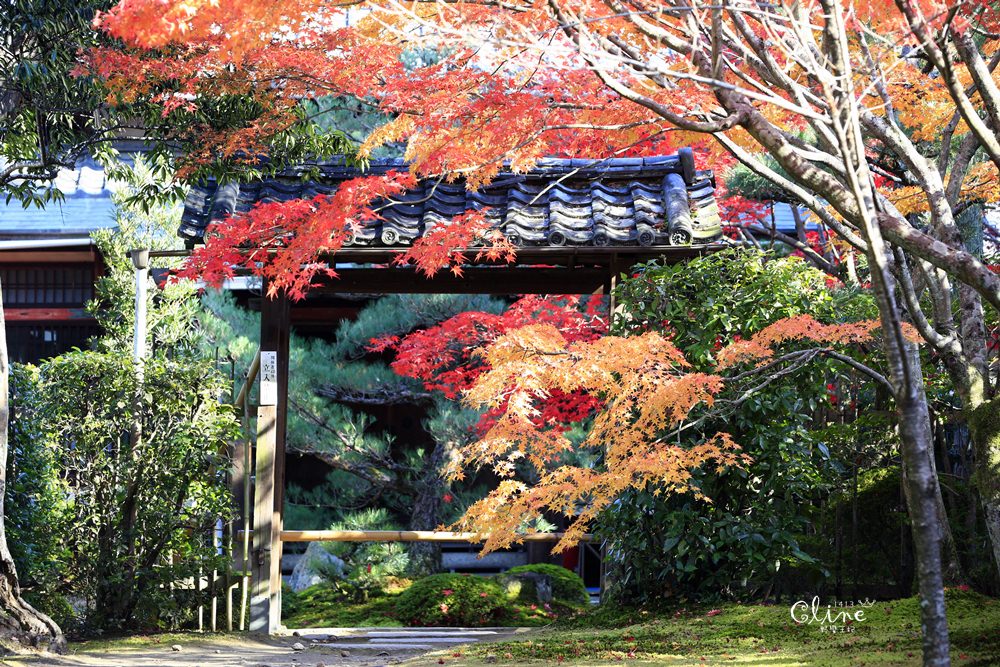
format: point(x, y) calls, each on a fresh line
point(449, 357)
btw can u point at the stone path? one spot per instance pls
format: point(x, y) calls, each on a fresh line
point(391, 640)
point(355, 647)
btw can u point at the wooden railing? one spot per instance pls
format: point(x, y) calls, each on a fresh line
point(406, 536)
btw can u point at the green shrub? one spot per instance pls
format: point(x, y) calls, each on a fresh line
point(567, 586)
point(36, 497)
point(662, 545)
point(125, 510)
point(453, 600)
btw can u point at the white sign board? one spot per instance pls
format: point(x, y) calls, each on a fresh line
point(268, 378)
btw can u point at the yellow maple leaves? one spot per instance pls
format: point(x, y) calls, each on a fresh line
point(645, 390)
point(981, 183)
point(647, 394)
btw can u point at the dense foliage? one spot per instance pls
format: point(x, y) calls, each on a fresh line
point(36, 503)
point(114, 521)
point(138, 518)
point(745, 532)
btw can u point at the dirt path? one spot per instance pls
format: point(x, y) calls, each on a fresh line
point(312, 648)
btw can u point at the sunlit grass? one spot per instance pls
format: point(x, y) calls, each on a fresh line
point(745, 635)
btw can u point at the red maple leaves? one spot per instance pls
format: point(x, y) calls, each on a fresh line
point(284, 242)
point(447, 358)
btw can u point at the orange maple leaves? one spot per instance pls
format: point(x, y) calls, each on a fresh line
point(646, 394)
point(446, 245)
point(644, 389)
point(760, 346)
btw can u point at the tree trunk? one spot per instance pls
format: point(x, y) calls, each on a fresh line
point(425, 557)
point(917, 448)
point(951, 565)
point(920, 486)
point(984, 429)
point(18, 619)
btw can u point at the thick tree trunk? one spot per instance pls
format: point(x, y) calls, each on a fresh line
point(984, 429)
point(425, 557)
point(921, 490)
point(18, 619)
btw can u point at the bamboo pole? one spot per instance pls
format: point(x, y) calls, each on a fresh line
point(241, 403)
point(407, 536)
point(251, 377)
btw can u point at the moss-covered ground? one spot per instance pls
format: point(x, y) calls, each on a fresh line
point(322, 606)
point(743, 635)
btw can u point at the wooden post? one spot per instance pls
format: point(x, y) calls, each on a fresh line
point(265, 603)
point(283, 332)
point(260, 593)
point(614, 269)
point(242, 486)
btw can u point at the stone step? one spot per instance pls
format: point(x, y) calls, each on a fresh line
point(379, 647)
point(426, 640)
point(438, 632)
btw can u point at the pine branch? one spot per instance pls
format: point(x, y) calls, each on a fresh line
point(380, 396)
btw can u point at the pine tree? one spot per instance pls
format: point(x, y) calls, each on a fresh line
point(341, 401)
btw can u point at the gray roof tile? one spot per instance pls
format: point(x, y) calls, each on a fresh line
point(86, 206)
point(560, 201)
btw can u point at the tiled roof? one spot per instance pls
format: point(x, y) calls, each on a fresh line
point(86, 206)
point(621, 201)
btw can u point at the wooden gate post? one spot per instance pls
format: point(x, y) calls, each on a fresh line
point(265, 603)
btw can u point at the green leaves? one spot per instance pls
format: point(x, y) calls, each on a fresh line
point(705, 303)
point(733, 544)
point(126, 503)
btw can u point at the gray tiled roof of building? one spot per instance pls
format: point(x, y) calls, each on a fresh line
point(621, 201)
point(86, 206)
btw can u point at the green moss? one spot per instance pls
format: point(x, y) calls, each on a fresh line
point(753, 634)
point(322, 606)
point(567, 586)
point(984, 423)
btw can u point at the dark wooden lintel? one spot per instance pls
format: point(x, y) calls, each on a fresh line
point(53, 256)
point(74, 315)
point(474, 280)
point(562, 255)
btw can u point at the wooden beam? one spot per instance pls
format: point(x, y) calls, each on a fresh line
point(474, 280)
point(75, 315)
point(53, 256)
point(546, 254)
point(567, 255)
point(407, 536)
point(265, 604)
